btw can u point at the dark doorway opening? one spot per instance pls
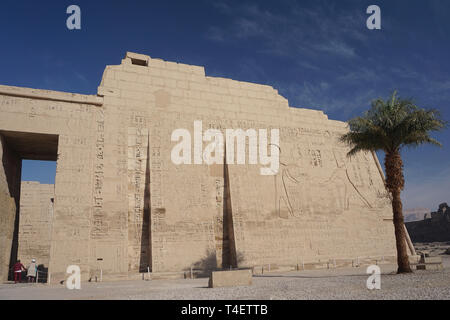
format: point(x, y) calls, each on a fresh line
point(27, 177)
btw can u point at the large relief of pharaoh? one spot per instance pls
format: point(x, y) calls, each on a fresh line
point(315, 182)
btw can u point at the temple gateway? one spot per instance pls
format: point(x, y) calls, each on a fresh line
point(121, 206)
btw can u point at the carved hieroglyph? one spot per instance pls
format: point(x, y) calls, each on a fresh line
point(121, 204)
point(321, 205)
point(36, 214)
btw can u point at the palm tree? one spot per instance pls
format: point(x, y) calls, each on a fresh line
point(389, 126)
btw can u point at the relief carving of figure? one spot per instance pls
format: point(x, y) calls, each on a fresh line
point(311, 184)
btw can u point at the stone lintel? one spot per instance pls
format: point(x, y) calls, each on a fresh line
point(50, 95)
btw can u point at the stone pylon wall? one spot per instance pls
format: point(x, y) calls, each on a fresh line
point(321, 205)
point(122, 205)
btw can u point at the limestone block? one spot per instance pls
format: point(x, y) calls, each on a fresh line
point(198, 70)
point(170, 83)
point(157, 63)
point(170, 65)
point(431, 260)
point(184, 68)
point(196, 77)
point(433, 267)
point(182, 84)
point(104, 91)
point(127, 76)
point(414, 259)
point(158, 82)
point(139, 68)
point(139, 56)
point(233, 278)
point(154, 71)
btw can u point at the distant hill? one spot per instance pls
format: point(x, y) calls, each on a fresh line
point(435, 228)
point(415, 214)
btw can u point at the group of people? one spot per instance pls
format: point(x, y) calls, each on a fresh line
point(32, 271)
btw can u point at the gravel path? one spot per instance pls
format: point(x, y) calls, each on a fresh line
point(313, 284)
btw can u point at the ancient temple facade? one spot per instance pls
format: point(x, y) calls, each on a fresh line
point(122, 205)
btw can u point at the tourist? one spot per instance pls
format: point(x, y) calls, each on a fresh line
point(32, 271)
point(18, 268)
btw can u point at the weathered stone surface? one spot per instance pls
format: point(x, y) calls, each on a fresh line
point(432, 267)
point(35, 222)
point(429, 263)
point(234, 278)
point(122, 206)
point(431, 260)
point(414, 259)
point(7, 214)
point(10, 172)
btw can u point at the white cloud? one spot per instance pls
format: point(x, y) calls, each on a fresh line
point(215, 34)
point(325, 96)
point(304, 31)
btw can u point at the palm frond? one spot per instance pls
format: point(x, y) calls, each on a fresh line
point(392, 124)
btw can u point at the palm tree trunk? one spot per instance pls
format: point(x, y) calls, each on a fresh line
point(400, 236)
point(395, 183)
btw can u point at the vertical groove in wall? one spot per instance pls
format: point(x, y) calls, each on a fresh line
point(138, 210)
point(228, 230)
point(147, 206)
point(15, 187)
point(145, 252)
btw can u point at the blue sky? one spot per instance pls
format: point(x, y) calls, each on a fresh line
point(318, 54)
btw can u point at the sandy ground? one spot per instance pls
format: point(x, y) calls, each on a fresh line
point(347, 283)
